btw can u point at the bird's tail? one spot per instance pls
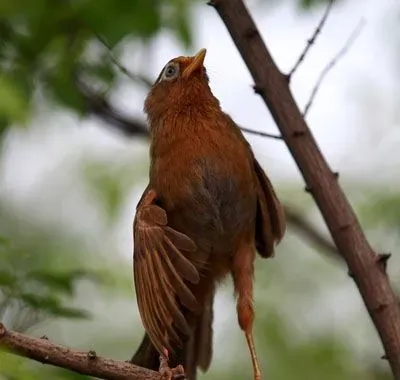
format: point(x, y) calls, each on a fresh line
point(196, 352)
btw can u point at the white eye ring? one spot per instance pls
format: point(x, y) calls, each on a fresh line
point(171, 71)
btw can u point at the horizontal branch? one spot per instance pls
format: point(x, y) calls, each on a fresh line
point(85, 363)
point(262, 134)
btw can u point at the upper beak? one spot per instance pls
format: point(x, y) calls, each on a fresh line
point(196, 63)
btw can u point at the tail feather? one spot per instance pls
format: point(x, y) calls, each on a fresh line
point(146, 355)
point(204, 335)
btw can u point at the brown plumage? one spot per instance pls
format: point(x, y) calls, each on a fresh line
point(207, 209)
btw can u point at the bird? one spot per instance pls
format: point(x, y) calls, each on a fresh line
point(207, 209)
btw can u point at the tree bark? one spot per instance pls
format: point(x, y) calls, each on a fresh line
point(85, 363)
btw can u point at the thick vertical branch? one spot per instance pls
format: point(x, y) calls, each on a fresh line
point(364, 264)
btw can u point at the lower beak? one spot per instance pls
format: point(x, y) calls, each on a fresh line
point(196, 63)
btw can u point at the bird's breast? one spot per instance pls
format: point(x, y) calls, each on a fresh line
point(210, 196)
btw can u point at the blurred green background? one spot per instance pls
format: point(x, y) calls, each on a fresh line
point(70, 179)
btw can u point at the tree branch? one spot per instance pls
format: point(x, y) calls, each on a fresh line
point(356, 32)
point(364, 264)
point(85, 363)
point(133, 76)
point(312, 40)
point(261, 134)
point(97, 105)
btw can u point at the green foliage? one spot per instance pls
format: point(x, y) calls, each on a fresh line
point(106, 183)
point(44, 45)
point(109, 182)
point(40, 270)
point(14, 367)
point(25, 292)
point(382, 208)
point(307, 4)
point(59, 281)
point(14, 104)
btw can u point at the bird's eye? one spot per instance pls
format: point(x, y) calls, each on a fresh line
point(171, 71)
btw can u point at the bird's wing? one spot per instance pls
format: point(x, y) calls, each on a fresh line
point(270, 221)
point(161, 272)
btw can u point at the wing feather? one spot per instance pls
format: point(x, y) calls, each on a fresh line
point(270, 220)
point(143, 301)
point(148, 294)
point(168, 293)
point(181, 289)
point(168, 308)
point(161, 271)
point(181, 263)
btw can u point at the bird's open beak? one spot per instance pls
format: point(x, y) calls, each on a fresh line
point(196, 64)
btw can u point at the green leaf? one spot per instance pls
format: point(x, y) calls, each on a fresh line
point(64, 88)
point(183, 26)
point(103, 71)
point(13, 102)
point(307, 4)
point(7, 279)
point(382, 208)
point(14, 367)
point(60, 281)
point(52, 305)
point(4, 241)
point(40, 302)
point(68, 312)
point(106, 183)
point(56, 373)
point(116, 19)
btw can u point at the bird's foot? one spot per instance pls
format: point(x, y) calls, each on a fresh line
point(167, 373)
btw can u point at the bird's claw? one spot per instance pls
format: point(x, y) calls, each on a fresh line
point(167, 373)
point(178, 373)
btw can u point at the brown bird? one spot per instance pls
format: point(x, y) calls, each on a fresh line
point(207, 209)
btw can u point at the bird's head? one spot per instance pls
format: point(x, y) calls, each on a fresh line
point(182, 82)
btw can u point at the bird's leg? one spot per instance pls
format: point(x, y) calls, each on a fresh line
point(242, 273)
point(177, 373)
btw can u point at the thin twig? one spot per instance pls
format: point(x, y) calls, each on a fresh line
point(340, 54)
point(135, 77)
point(311, 41)
point(262, 134)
